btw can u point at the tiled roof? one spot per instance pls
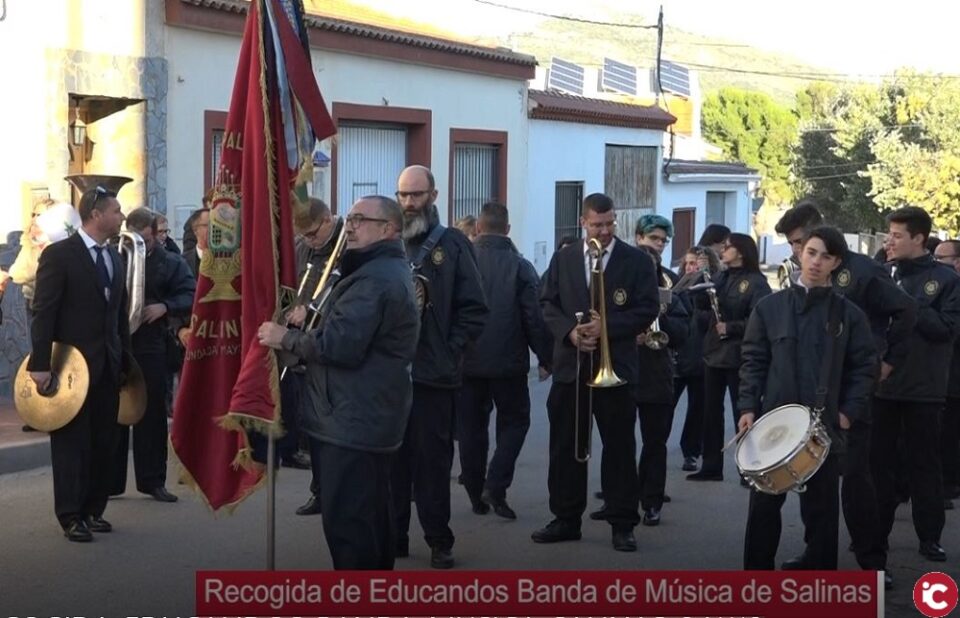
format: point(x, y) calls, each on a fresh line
point(553, 105)
point(391, 35)
point(683, 166)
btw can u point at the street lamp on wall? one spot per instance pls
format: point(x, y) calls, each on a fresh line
point(78, 131)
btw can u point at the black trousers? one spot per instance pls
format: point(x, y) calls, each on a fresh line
point(691, 439)
point(950, 444)
point(716, 384)
point(919, 425)
point(859, 499)
point(149, 435)
point(422, 466)
point(614, 411)
point(291, 394)
point(357, 510)
point(83, 454)
point(656, 419)
point(819, 510)
point(512, 399)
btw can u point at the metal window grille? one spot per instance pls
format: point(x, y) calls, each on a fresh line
point(475, 178)
point(569, 197)
point(217, 138)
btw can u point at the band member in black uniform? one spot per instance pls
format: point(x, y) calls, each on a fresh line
point(654, 394)
point(496, 365)
point(81, 300)
point(787, 353)
point(358, 381)
point(909, 401)
point(632, 303)
point(317, 232)
point(453, 315)
point(699, 264)
point(167, 293)
point(738, 290)
point(948, 252)
point(655, 232)
point(714, 237)
point(891, 314)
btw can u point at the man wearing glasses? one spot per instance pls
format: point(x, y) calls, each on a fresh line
point(454, 314)
point(81, 300)
point(358, 380)
point(948, 253)
point(199, 223)
point(317, 232)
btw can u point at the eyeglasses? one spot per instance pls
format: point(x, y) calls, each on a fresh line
point(358, 220)
point(656, 238)
point(414, 194)
point(101, 192)
point(313, 233)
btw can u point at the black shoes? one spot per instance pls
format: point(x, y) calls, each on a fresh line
point(98, 524)
point(310, 507)
point(689, 464)
point(298, 460)
point(403, 548)
point(947, 505)
point(557, 531)
point(705, 476)
point(651, 516)
point(160, 494)
point(600, 515)
point(78, 532)
point(887, 581)
point(796, 564)
point(931, 550)
point(441, 558)
point(623, 540)
point(477, 505)
point(499, 504)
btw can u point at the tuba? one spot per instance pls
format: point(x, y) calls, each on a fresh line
point(605, 376)
point(134, 251)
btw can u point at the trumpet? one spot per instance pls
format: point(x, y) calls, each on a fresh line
point(657, 339)
point(605, 376)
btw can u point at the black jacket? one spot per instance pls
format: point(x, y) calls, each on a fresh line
point(193, 261)
point(953, 383)
point(690, 354)
point(167, 280)
point(171, 245)
point(783, 349)
point(891, 312)
point(738, 292)
point(70, 307)
point(657, 367)
point(316, 257)
point(922, 376)
point(455, 311)
point(358, 376)
point(632, 302)
point(515, 323)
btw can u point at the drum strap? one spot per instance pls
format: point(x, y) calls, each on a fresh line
point(829, 352)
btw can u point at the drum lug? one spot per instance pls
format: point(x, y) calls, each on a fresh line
point(801, 488)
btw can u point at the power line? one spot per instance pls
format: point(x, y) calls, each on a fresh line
point(578, 20)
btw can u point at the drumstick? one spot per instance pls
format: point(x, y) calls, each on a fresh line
point(733, 439)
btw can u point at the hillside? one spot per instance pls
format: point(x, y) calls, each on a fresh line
point(588, 44)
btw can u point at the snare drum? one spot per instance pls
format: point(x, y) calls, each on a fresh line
point(783, 449)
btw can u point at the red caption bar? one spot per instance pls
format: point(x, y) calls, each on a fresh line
point(851, 594)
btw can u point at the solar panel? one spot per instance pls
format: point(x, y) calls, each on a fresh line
point(618, 77)
point(674, 78)
point(565, 76)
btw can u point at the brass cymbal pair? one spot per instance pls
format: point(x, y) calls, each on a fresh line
point(54, 409)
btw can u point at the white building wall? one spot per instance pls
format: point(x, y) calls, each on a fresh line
point(201, 70)
point(565, 151)
point(694, 195)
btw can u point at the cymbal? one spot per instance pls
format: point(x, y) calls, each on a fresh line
point(133, 395)
point(49, 412)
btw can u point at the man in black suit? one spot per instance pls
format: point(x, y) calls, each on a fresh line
point(81, 300)
point(632, 302)
point(199, 224)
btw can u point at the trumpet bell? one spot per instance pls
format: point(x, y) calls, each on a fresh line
point(657, 340)
point(51, 411)
point(133, 395)
point(606, 378)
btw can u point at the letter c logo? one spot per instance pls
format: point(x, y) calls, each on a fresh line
point(935, 595)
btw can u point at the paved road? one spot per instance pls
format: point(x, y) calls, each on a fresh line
point(146, 567)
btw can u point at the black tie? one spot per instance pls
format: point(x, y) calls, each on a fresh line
point(102, 270)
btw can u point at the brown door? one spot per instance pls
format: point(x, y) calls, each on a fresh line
point(683, 222)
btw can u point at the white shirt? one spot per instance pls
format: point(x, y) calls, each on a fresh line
point(604, 257)
point(91, 243)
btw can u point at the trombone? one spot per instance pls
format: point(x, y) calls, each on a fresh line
point(605, 376)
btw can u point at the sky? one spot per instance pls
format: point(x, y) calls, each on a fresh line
point(846, 36)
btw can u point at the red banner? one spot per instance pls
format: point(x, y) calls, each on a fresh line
point(229, 382)
point(851, 594)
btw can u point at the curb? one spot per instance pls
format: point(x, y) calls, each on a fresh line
point(26, 455)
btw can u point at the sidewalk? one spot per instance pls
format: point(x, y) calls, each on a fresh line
point(20, 450)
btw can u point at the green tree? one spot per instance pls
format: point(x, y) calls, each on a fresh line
point(752, 128)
